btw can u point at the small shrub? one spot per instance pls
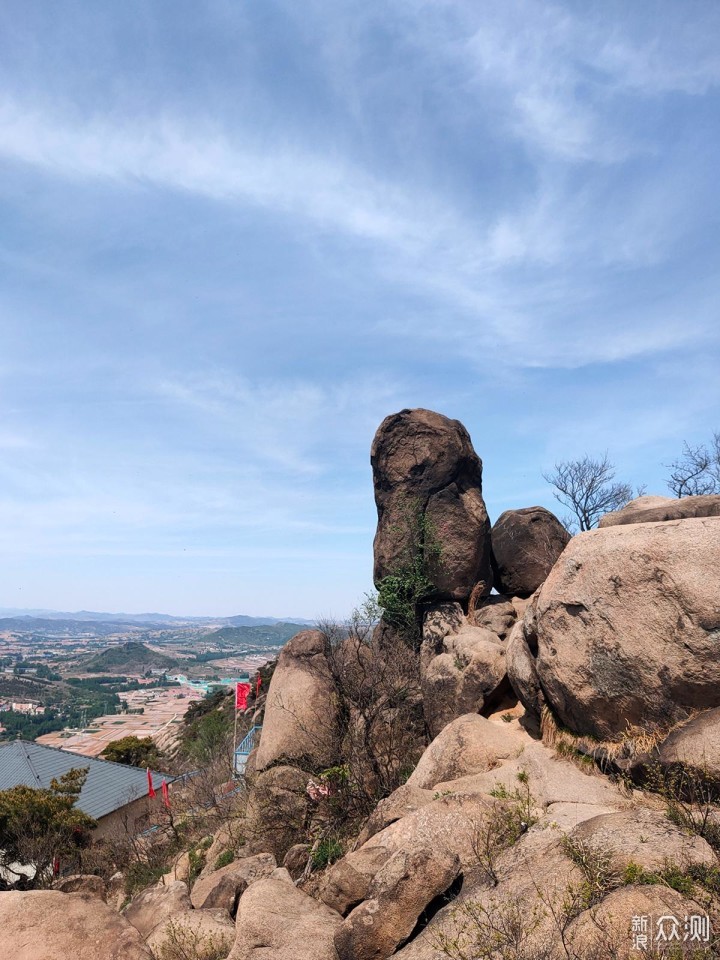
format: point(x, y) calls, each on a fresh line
point(596, 866)
point(197, 862)
point(225, 859)
point(505, 823)
point(186, 943)
point(326, 852)
point(140, 875)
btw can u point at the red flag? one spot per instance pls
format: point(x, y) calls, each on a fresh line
point(151, 788)
point(241, 694)
point(165, 794)
point(257, 685)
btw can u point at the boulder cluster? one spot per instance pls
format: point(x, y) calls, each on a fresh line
point(541, 664)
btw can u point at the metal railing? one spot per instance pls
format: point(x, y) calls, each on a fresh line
point(246, 746)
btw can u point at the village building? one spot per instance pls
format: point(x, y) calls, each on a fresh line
point(114, 794)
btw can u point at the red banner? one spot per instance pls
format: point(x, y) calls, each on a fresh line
point(165, 794)
point(241, 695)
point(257, 686)
point(151, 789)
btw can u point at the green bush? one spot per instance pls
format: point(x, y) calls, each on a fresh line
point(402, 592)
point(326, 852)
point(224, 859)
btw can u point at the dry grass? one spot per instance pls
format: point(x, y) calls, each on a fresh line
point(632, 742)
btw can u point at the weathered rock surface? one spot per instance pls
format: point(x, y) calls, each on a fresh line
point(661, 509)
point(605, 931)
point(422, 461)
point(695, 745)
point(628, 623)
point(496, 614)
point(223, 887)
point(277, 920)
point(536, 862)
point(462, 667)
point(346, 883)
point(644, 837)
point(470, 744)
point(277, 809)
point(207, 930)
point(295, 860)
point(406, 799)
point(400, 891)
point(522, 671)
point(157, 904)
point(86, 884)
point(300, 713)
point(50, 925)
point(180, 869)
point(525, 546)
point(449, 823)
point(551, 781)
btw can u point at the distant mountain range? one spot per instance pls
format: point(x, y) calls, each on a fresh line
point(150, 619)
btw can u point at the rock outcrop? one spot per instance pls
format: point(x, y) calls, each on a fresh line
point(156, 905)
point(347, 882)
point(470, 744)
point(425, 463)
point(496, 614)
point(86, 884)
point(694, 746)
point(645, 838)
point(525, 546)
point(300, 712)
point(406, 883)
point(627, 626)
point(222, 888)
point(276, 919)
point(661, 509)
point(51, 925)
point(462, 667)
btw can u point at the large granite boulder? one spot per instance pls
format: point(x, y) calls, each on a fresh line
point(521, 662)
point(401, 889)
point(467, 677)
point(606, 929)
point(497, 614)
point(525, 545)
point(694, 746)
point(277, 920)
point(51, 925)
point(628, 625)
point(156, 904)
point(346, 883)
point(462, 666)
point(301, 708)
point(424, 463)
point(659, 509)
point(222, 888)
point(470, 744)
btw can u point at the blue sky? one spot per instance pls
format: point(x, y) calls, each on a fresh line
point(235, 235)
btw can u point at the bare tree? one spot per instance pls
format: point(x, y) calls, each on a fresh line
point(697, 471)
point(587, 487)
